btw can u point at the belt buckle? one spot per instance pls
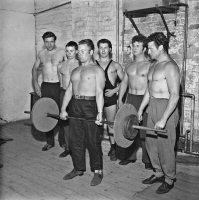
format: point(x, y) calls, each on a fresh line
point(78, 96)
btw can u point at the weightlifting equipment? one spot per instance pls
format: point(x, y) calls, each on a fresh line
point(45, 116)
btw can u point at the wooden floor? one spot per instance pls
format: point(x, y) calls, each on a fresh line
point(29, 173)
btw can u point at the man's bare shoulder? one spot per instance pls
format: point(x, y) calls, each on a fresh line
point(41, 53)
point(116, 64)
point(171, 66)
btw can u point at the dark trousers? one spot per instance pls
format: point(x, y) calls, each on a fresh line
point(130, 153)
point(51, 90)
point(85, 134)
point(161, 149)
point(63, 136)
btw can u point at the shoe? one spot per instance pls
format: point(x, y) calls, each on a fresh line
point(73, 174)
point(164, 188)
point(111, 149)
point(64, 154)
point(126, 162)
point(97, 179)
point(113, 155)
point(153, 179)
point(47, 147)
point(148, 166)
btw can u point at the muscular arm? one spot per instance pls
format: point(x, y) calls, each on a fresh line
point(67, 97)
point(100, 83)
point(144, 103)
point(123, 87)
point(35, 76)
point(172, 76)
point(120, 74)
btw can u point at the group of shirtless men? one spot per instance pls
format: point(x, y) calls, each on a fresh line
point(94, 89)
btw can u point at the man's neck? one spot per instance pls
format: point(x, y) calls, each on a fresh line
point(140, 58)
point(73, 60)
point(163, 57)
point(87, 63)
point(105, 59)
point(52, 51)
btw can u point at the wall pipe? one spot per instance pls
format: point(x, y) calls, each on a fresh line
point(52, 8)
point(123, 31)
point(192, 97)
point(184, 65)
point(117, 30)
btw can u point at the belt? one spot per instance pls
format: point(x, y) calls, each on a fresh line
point(84, 97)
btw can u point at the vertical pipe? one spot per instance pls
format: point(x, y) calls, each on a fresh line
point(117, 30)
point(123, 30)
point(35, 29)
point(192, 123)
point(183, 81)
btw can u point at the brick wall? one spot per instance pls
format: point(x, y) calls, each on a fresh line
point(81, 19)
point(57, 20)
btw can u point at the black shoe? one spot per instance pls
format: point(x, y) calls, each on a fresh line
point(148, 166)
point(64, 154)
point(97, 179)
point(47, 147)
point(111, 149)
point(113, 155)
point(126, 162)
point(73, 174)
point(153, 179)
point(164, 188)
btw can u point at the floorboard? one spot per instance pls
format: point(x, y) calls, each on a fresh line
point(29, 173)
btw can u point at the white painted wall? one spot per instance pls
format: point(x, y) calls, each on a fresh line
point(17, 55)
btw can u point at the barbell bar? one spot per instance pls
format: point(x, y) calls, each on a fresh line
point(107, 122)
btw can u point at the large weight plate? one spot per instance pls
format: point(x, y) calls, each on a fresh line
point(120, 122)
point(38, 115)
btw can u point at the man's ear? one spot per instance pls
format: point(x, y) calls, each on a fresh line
point(91, 52)
point(161, 48)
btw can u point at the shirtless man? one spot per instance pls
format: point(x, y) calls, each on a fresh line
point(48, 60)
point(65, 71)
point(85, 94)
point(112, 70)
point(135, 79)
point(162, 95)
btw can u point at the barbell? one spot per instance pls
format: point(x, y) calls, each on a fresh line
point(45, 116)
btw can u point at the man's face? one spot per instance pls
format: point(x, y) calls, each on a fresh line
point(137, 48)
point(104, 50)
point(70, 52)
point(84, 53)
point(153, 51)
point(49, 43)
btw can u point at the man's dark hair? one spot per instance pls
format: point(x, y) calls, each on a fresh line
point(140, 38)
point(48, 35)
point(104, 41)
point(72, 44)
point(159, 39)
point(88, 42)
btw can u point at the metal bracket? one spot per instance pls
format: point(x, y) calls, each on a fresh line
point(169, 34)
point(133, 22)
